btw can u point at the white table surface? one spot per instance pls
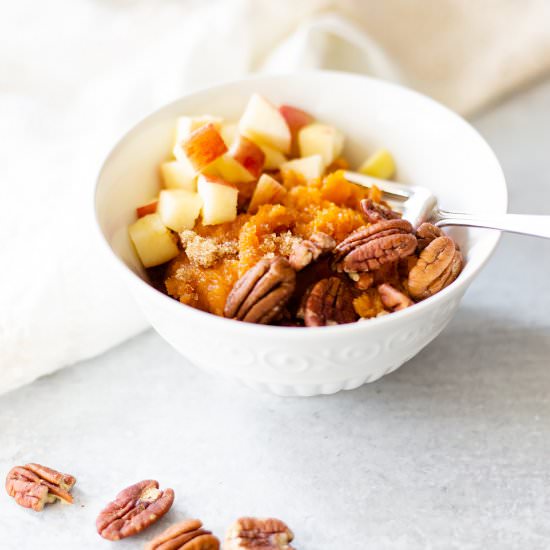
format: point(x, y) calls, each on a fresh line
point(451, 451)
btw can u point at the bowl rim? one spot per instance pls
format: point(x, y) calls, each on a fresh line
point(462, 281)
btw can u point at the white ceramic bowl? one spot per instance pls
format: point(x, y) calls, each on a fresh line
point(432, 146)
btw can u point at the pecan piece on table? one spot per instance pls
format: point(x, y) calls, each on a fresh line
point(263, 534)
point(261, 294)
point(393, 299)
point(328, 302)
point(375, 212)
point(133, 510)
point(185, 535)
point(309, 250)
point(371, 247)
point(426, 233)
point(34, 486)
point(438, 266)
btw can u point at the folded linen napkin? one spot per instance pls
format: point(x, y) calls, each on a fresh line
point(75, 75)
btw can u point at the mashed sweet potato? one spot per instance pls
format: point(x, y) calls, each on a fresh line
point(330, 205)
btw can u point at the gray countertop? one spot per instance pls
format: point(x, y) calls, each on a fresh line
point(451, 451)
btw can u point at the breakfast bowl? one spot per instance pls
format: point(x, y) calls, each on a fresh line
point(432, 146)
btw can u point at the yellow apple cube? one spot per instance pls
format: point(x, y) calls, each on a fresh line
point(273, 158)
point(320, 139)
point(219, 200)
point(308, 167)
point(379, 165)
point(268, 191)
point(229, 132)
point(178, 174)
point(154, 243)
point(179, 209)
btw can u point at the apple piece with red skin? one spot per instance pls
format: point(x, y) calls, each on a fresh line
point(219, 199)
point(148, 208)
point(204, 146)
point(248, 155)
point(186, 125)
point(267, 191)
point(263, 123)
point(243, 162)
point(296, 119)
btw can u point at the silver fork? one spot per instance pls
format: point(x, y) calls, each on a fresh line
point(418, 204)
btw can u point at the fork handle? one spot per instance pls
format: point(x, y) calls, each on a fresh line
point(525, 224)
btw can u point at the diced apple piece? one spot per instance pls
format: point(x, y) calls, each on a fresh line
point(186, 125)
point(379, 165)
point(248, 155)
point(243, 163)
point(204, 146)
point(309, 167)
point(296, 119)
point(219, 200)
point(153, 241)
point(268, 191)
point(148, 208)
point(229, 132)
point(273, 158)
point(263, 123)
point(178, 209)
point(228, 169)
point(178, 174)
point(320, 139)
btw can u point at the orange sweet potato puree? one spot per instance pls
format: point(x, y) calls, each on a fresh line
point(330, 205)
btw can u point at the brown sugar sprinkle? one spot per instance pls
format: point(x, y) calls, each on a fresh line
point(280, 244)
point(206, 251)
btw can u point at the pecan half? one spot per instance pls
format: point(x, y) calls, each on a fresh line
point(371, 247)
point(133, 510)
point(438, 266)
point(328, 302)
point(186, 535)
point(375, 212)
point(262, 534)
point(261, 294)
point(426, 233)
point(309, 250)
point(393, 299)
point(34, 486)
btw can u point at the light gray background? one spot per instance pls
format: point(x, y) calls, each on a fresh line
point(451, 451)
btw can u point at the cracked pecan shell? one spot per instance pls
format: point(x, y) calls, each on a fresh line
point(393, 299)
point(260, 534)
point(328, 302)
point(309, 250)
point(371, 247)
point(426, 233)
point(261, 294)
point(33, 486)
point(133, 510)
point(185, 535)
point(438, 266)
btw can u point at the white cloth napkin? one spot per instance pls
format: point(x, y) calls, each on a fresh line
point(75, 75)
